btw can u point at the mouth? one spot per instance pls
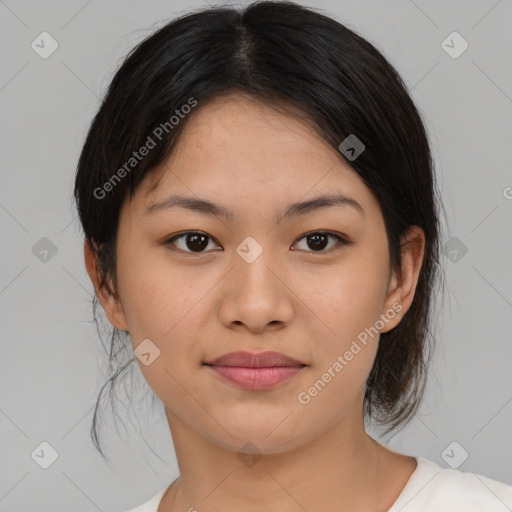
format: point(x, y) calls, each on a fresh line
point(255, 371)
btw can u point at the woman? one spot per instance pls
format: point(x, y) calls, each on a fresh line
point(261, 223)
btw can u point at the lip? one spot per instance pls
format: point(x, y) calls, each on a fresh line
point(254, 360)
point(255, 371)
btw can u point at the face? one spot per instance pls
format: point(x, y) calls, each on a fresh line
point(313, 283)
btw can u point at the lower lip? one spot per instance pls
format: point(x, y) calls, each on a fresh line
point(256, 378)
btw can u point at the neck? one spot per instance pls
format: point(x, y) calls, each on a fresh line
point(344, 469)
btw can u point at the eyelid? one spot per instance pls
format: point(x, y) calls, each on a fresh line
point(341, 239)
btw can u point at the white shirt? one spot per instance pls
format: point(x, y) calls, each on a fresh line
point(430, 488)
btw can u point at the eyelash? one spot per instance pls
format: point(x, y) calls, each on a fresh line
point(341, 240)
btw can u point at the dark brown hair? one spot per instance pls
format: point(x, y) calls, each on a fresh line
point(282, 54)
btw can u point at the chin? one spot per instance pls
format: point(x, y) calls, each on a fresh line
point(260, 439)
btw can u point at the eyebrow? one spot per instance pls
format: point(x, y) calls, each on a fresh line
point(205, 207)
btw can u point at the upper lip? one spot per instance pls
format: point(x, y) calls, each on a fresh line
point(254, 360)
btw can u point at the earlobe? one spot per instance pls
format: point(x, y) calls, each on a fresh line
point(402, 285)
point(112, 306)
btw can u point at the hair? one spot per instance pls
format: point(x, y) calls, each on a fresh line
point(306, 63)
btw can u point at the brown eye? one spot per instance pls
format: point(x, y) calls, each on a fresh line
point(317, 241)
point(191, 241)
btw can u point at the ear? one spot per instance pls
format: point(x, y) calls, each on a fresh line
point(112, 306)
point(402, 285)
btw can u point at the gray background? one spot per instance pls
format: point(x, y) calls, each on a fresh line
point(51, 357)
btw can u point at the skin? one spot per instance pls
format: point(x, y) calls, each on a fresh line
point(305, 302)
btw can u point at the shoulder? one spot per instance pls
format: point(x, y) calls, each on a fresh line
point(433, 488)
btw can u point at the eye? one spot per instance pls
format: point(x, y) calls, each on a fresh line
point(197, 241)
point(319, 239)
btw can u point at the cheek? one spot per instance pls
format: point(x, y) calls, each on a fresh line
point(350, 305)
point(155, 296)
point(351, 297)
point(162, 304)
point(350, 309)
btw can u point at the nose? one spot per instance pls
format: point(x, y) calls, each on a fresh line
point(256, 295)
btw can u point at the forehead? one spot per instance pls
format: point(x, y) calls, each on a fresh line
point(241, 125)
point(239, 149)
